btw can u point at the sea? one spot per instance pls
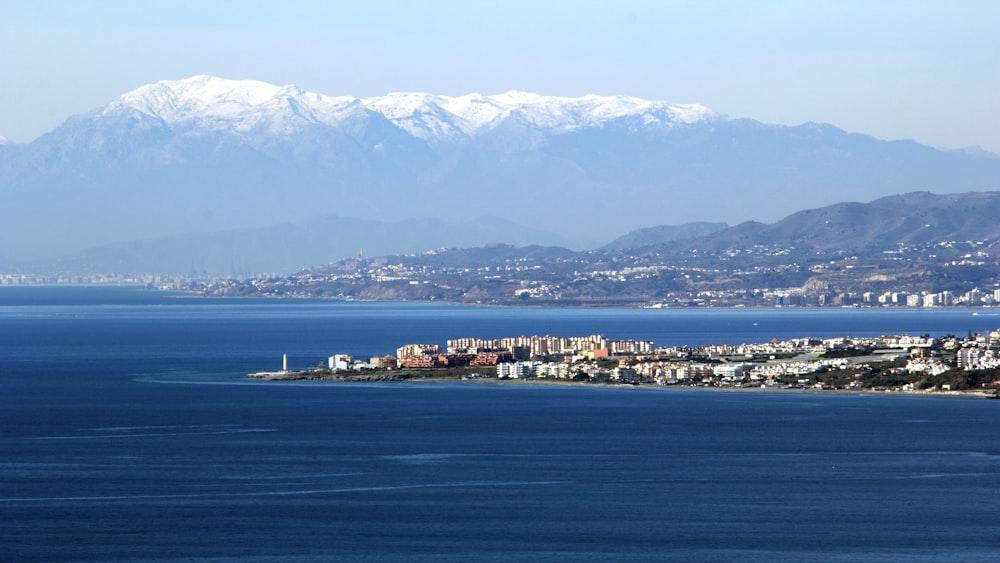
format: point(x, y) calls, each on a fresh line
point(128, 432)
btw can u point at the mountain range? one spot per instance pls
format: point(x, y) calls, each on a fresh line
point(167, 172)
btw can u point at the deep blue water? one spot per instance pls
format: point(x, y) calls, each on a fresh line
point(127, 433)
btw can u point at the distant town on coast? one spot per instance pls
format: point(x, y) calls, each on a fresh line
point(902, 363)
point(913, 250)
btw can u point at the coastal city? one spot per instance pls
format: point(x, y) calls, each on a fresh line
point(899, 363)
point(946, 274)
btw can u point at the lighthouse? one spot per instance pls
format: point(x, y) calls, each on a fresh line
point(284, 363)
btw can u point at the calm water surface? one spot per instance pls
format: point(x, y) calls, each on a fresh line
point(127, 433)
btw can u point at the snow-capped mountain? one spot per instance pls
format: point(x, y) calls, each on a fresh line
point(206, 154)
point(245, 105)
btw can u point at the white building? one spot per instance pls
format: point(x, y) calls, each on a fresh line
point(931, 366)
point(516, 370)
point(627, 375)
point(553, 369)
point(339, 362)
point(732, 371)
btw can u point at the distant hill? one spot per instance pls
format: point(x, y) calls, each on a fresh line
point(664, 233)
point(883, 224)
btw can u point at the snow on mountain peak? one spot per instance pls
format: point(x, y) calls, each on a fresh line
point(421, 115)
point(242, 105)
point(403, 104)
point(562, 113)
point(475, 113)
point(238, 105)
point(174, 100)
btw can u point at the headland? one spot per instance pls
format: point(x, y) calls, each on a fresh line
point(946, 366)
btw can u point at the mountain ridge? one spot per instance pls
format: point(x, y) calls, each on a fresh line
point(662, 234)
point(247, 103)
point(886, 222)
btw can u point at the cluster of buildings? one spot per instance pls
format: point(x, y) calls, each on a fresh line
point(972, 353)
point(774, 363)
point(654, 369)
point(971, 358)
point(7, 279)
point(974, 297)
point(532, 346)
point(971, 298)
point(343, 362)
point(502, 351)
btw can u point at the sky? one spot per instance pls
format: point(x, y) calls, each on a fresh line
point(894, 69)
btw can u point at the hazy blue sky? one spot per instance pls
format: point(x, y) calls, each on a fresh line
point(893, 69)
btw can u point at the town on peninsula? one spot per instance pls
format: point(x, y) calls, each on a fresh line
point(968, 365)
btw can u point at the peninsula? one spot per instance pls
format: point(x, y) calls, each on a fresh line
point(898, 363)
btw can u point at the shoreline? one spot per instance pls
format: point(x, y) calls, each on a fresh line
point(438, 380)
point(555, 304)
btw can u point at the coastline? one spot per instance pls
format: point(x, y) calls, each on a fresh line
point(402, 379)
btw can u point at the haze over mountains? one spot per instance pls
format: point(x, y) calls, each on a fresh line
point(160, 170)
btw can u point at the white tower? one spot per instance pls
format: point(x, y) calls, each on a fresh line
point(284, 362)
